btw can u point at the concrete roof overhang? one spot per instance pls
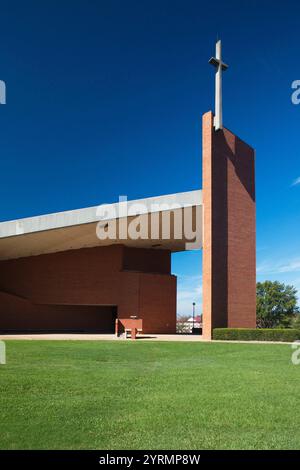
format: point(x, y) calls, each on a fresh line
point(76, 229)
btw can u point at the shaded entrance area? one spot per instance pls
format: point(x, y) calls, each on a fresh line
point(22, 316)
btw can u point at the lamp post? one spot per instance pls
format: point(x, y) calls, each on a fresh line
point(194, 305)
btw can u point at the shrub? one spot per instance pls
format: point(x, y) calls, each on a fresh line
point(260, 334)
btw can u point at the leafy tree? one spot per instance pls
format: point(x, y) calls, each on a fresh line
point(276, 305)
point(296, 321)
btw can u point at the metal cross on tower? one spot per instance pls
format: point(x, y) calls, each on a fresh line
point(220, 66)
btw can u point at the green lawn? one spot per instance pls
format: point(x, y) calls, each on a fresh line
point(139, 395)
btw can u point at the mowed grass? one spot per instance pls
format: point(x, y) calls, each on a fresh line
point(139, 395)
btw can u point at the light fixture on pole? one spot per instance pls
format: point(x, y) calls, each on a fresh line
point(194, 305)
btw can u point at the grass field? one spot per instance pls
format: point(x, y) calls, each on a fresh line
point(126, 395)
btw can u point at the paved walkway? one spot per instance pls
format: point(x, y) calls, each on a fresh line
point(98, 337)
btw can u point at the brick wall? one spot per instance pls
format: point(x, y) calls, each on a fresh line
point(93, 277)
point(229, 273)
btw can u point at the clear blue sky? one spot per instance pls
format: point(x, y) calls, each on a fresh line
point(105, 98)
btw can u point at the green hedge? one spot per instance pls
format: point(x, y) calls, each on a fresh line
point(256, 334)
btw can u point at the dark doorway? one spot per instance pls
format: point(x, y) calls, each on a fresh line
point(62, 319)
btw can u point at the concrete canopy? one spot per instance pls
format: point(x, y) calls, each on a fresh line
point(76, 229)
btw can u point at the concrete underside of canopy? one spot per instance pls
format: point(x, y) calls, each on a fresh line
point(76, 229)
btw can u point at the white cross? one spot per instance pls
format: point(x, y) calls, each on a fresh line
point(220, 66)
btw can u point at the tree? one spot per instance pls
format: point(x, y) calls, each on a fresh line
point(276, 305)
point(296, 321)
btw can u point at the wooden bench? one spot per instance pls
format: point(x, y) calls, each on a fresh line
point(133, 332)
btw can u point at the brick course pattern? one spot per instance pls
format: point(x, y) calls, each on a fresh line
point(87, 288)
point(229, 234)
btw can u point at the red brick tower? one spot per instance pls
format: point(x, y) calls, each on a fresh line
point(229, 255)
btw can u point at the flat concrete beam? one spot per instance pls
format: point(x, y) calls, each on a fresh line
point(76, 229)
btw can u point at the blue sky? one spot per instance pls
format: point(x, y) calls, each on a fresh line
point(106, 98)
